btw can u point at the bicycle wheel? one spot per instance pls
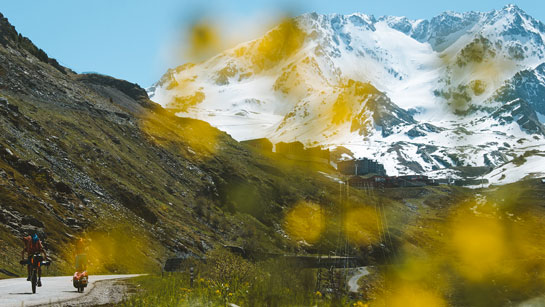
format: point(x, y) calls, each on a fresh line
point(34, 281)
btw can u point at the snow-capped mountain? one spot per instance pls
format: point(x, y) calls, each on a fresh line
point(421, 96)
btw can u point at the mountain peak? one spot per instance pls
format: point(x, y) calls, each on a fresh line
point(512, 8)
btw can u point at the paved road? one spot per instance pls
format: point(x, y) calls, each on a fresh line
point(17, 292)
point(353, 281)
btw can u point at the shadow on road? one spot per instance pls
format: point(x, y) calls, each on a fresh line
point(21, 293)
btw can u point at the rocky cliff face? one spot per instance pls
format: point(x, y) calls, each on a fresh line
point(528, 85)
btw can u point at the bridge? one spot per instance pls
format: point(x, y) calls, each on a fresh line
point(300, 261)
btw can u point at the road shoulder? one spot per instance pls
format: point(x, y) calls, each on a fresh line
point(104, 292)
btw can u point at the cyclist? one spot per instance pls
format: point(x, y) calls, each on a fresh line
point(33, 245)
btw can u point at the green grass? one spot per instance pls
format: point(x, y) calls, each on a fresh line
point(227, 278)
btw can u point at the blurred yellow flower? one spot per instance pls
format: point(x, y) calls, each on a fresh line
point(411, 295)
point(361, 226)
point(305, 221)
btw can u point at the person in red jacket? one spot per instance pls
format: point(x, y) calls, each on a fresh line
point(33, 245)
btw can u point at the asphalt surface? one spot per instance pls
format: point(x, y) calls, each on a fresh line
point(353, 281)
point(17, 292)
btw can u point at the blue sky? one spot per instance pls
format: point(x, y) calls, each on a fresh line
point(138, 40)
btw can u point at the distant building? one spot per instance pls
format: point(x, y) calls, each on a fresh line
point(297, 151)
point(379, 181)
point(293, 148)
point(411, 181)
point(360, 167)
point(443, 181)
point(262, 144)
point(366, 181)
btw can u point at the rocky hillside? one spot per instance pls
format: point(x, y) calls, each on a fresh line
point(90, 155)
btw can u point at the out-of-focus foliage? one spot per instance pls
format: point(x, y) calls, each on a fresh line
point(277, 45)
point(361, 226)
point(227, 278)
point(204, 40)
point(305, 221)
